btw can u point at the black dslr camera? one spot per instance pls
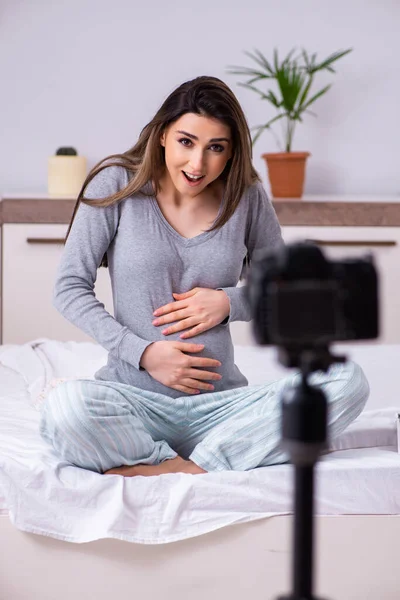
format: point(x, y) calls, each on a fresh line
point(300, 299)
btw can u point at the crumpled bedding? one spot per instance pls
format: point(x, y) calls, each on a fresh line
point(44, 495)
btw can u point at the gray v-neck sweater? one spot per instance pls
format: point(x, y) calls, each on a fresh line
point(148, 261)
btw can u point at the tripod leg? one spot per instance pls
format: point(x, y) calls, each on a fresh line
point(303, 532)
point(304, 418)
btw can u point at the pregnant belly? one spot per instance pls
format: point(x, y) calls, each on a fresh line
point(217, 343)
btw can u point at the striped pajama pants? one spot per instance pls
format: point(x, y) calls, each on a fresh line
point(98, 425)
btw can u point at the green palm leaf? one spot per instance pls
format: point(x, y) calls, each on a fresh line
point(262, 128)
point(262, 61)
point(317, 95)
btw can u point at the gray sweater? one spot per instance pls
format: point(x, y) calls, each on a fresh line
point(148, 261)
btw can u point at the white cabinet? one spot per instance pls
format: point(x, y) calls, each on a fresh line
point(384, 245)
point(31, 254)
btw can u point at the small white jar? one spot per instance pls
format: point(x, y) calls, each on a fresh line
point(66, 175)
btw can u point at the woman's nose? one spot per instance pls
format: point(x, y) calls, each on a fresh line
point(197, 162)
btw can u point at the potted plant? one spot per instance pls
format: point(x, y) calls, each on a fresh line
point(294, 77)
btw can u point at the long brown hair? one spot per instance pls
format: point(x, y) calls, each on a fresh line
point(145, 162)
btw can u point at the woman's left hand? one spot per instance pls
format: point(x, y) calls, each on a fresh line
point(198, 310)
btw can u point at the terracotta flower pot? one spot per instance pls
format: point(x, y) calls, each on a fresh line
point(286, 172)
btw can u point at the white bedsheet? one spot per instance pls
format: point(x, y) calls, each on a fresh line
point(44, 495)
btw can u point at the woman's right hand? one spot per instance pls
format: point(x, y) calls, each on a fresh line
point(168, 363)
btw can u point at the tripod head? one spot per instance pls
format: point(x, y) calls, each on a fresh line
point(304, 407)
point(308, 359)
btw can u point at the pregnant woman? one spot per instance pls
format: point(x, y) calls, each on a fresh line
point(173, 219)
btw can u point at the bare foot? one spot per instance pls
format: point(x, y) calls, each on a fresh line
point(172, 465)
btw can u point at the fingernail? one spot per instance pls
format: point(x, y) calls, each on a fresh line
point(155, 313)
point(165, 331)
point(155, 322)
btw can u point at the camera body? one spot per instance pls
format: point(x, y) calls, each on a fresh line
point(301, 299)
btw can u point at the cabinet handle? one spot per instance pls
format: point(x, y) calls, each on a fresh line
point(45, 240)
point(353, 242)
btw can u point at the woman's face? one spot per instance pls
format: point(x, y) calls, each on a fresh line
point(197, 149)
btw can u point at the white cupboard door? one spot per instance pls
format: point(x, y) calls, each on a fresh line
point(31, 254)
point(383, 243)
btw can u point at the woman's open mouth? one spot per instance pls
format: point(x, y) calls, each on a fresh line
point(192, 180)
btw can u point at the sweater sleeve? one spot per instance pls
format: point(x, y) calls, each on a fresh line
point(263, 232)
point(91, 234)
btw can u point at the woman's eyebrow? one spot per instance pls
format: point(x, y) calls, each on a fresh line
point(194, 137)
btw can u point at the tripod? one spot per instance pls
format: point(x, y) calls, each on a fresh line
point(304, 434)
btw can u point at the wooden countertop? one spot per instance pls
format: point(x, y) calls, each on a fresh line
point(324, 210)
point(39, 209)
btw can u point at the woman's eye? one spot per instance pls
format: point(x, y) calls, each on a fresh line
point(188, 143)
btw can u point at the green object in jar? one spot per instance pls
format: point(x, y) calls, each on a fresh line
point(66, 151)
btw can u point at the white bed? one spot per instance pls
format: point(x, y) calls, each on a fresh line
point(219, 535)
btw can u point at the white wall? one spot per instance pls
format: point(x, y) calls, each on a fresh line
point(91, 73)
